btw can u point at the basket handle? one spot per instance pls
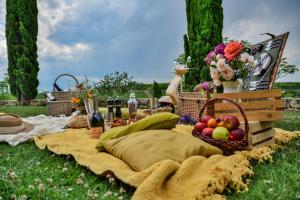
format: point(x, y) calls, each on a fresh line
point(212, 100)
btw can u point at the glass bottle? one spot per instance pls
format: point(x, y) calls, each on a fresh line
point(118, 107)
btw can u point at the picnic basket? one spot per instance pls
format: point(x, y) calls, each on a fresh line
point(190, 103)
point(62, 104)
point(228, 147)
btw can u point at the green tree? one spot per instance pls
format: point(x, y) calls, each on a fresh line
point(285, 69)
point(114, 83)
point(204, 26)
point(156, 90)
point(21, 36)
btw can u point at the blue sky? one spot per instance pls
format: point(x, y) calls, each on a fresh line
point(96, 37)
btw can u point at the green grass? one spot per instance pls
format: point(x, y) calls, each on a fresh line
point(277, 180)
point(34, 167)
point(25, 111)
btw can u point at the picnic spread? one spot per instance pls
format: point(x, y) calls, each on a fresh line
point(193, 147)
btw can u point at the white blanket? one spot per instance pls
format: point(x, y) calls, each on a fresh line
point(42, 125)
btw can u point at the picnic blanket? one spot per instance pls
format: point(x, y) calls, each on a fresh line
point(197, 177)
point(42, 125)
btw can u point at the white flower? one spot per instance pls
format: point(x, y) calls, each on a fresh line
point(111, 180)
point(79, 181)
point(22, 197)
point(108, 193)
point(216, 82)
point(30, 187)
point(221, 64)
point(122, 190)
point(227, 73)
point(219, 56)
point(213, 63)
point(41, 187)
point(245, 57)
point(49, 180)
point(11, 174)
point(65, 169)
point(120, 198)
point(37, 181)
point(214, 74)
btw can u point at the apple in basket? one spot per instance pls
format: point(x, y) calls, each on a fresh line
point(221, 133)
point(236, 134)
point(206, 118)
point(199, 126)
point(212, 123)
point(207, 131)
point(230, 122)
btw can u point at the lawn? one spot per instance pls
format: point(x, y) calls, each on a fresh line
point(26, 171)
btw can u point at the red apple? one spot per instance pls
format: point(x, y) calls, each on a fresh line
point(207, 131)
point(199, 126)
point(236, 134)
point(206, 118)
point(231, 122)
point(212, 123)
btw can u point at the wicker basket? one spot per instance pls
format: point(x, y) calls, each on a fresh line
point(62, 104)
point(228, 147)
point(191, 103)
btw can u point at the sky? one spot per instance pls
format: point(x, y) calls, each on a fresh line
point(95, 37)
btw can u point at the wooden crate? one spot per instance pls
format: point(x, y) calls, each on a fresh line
point(263, 105)
point(260, 133)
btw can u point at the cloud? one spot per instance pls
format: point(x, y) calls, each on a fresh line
point(3, 52)
point(52, 15)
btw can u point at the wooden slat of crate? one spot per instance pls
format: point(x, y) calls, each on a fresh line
point(252, 95)
point(260, 133)
point(251, 105)
point(258, 105)
point(266, 142)
point(262, 136)
point(257, 126)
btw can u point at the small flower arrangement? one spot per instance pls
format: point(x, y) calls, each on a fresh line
point(205, 87)
point(81, 96)
point(229, 62)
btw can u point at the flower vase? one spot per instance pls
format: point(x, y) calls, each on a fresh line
point(81, 109)
point(232, 86)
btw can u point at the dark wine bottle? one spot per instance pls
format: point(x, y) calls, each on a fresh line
point(97, 121)
point(118, 108)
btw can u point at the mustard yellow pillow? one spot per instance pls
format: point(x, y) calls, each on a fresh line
point(164, 120)
point(142, 149)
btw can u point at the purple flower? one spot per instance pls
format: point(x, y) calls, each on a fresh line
point(205, 86)
point(209, 57)
point(219, 49)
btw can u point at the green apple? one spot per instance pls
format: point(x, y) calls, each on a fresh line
point(220, 133)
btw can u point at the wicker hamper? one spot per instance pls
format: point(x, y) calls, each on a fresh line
point(62, 105)
point(191, 103)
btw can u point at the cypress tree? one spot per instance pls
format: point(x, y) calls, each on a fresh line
point(156, 90)
point(21, 36)
point(204, 25)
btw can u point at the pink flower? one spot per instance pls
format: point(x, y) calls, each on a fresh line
point(209, 57)
point(214, 74)
point(227, 74)
point(221, 64)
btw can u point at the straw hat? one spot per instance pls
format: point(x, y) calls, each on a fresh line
point(12, 124)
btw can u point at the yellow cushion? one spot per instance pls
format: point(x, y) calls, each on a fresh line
point(142, 149)
point(164, 120)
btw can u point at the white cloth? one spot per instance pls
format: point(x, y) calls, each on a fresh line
point(42, 125)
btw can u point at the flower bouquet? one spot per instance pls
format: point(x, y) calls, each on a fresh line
point(228, 63)
point(78, 100)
